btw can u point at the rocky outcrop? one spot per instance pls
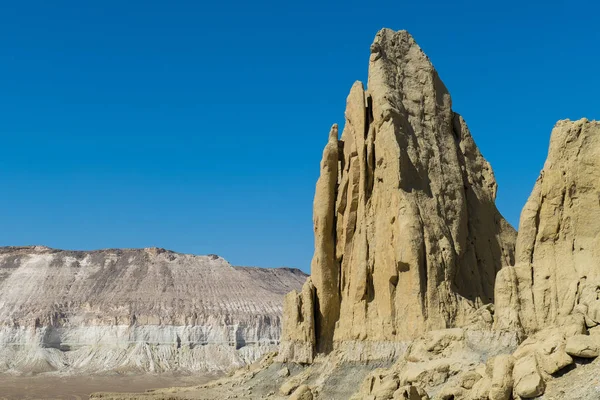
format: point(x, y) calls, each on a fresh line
point(449, 364)
point(135, 311)
point(550, 296)
point(298, 337)
point(557, 274)
point(407, 235)
point(408, 242)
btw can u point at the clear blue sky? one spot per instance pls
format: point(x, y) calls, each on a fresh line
point(198, 126)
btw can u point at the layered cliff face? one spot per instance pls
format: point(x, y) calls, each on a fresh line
point(135, 310)
point(407, 235)
point(557, 273)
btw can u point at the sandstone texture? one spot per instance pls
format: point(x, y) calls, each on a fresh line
point(527, 378)
point(557, 270)
point(583, 346)
point(407, 235)
point(298, 337)
point(127, 311)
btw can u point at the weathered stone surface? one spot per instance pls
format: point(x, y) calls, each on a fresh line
point(583, 346)
point(383, 385)
point(146, 310)
point(469, 379)
point(449, 392)
point(558, 248)
point(386, 387)
point(447, 364)
point(434, 344)
point(528, 382)
point(432, 373)
point(555, 361)
point(292, 383)
point(551, 353)
point(407, 235)
point(324, 270)
point(502, 380)
point(283, 372)
point(572, 325)
point(302, 393)
point(410, 392)
point(298, 337)
point(481, 389)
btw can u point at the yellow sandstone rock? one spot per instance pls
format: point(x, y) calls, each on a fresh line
point(407, 235)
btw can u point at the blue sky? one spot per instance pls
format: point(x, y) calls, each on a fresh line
point(198, 126)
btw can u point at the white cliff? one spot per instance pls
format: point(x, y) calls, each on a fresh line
point(146, 310)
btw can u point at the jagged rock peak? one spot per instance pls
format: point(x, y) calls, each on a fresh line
point(557, 275)
point(407, 235)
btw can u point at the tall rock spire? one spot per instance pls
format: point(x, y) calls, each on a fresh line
point(325, 268)
point(407, 235)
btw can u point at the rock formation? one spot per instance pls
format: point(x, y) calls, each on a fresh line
point(408, 243)
point(298, 336)
point(557, 271)
point(407, 235)
point(135, 311)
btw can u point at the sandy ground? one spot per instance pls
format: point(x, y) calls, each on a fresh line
point(50, 387)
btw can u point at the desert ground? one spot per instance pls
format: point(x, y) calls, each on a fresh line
point(51, 387)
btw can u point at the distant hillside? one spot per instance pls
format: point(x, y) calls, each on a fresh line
point(135, 310)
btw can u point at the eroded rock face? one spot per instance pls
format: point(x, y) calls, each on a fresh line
point(407, 235)
point(447, 364)
point(298, 337)
point(135, 311)
point(557, 273)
